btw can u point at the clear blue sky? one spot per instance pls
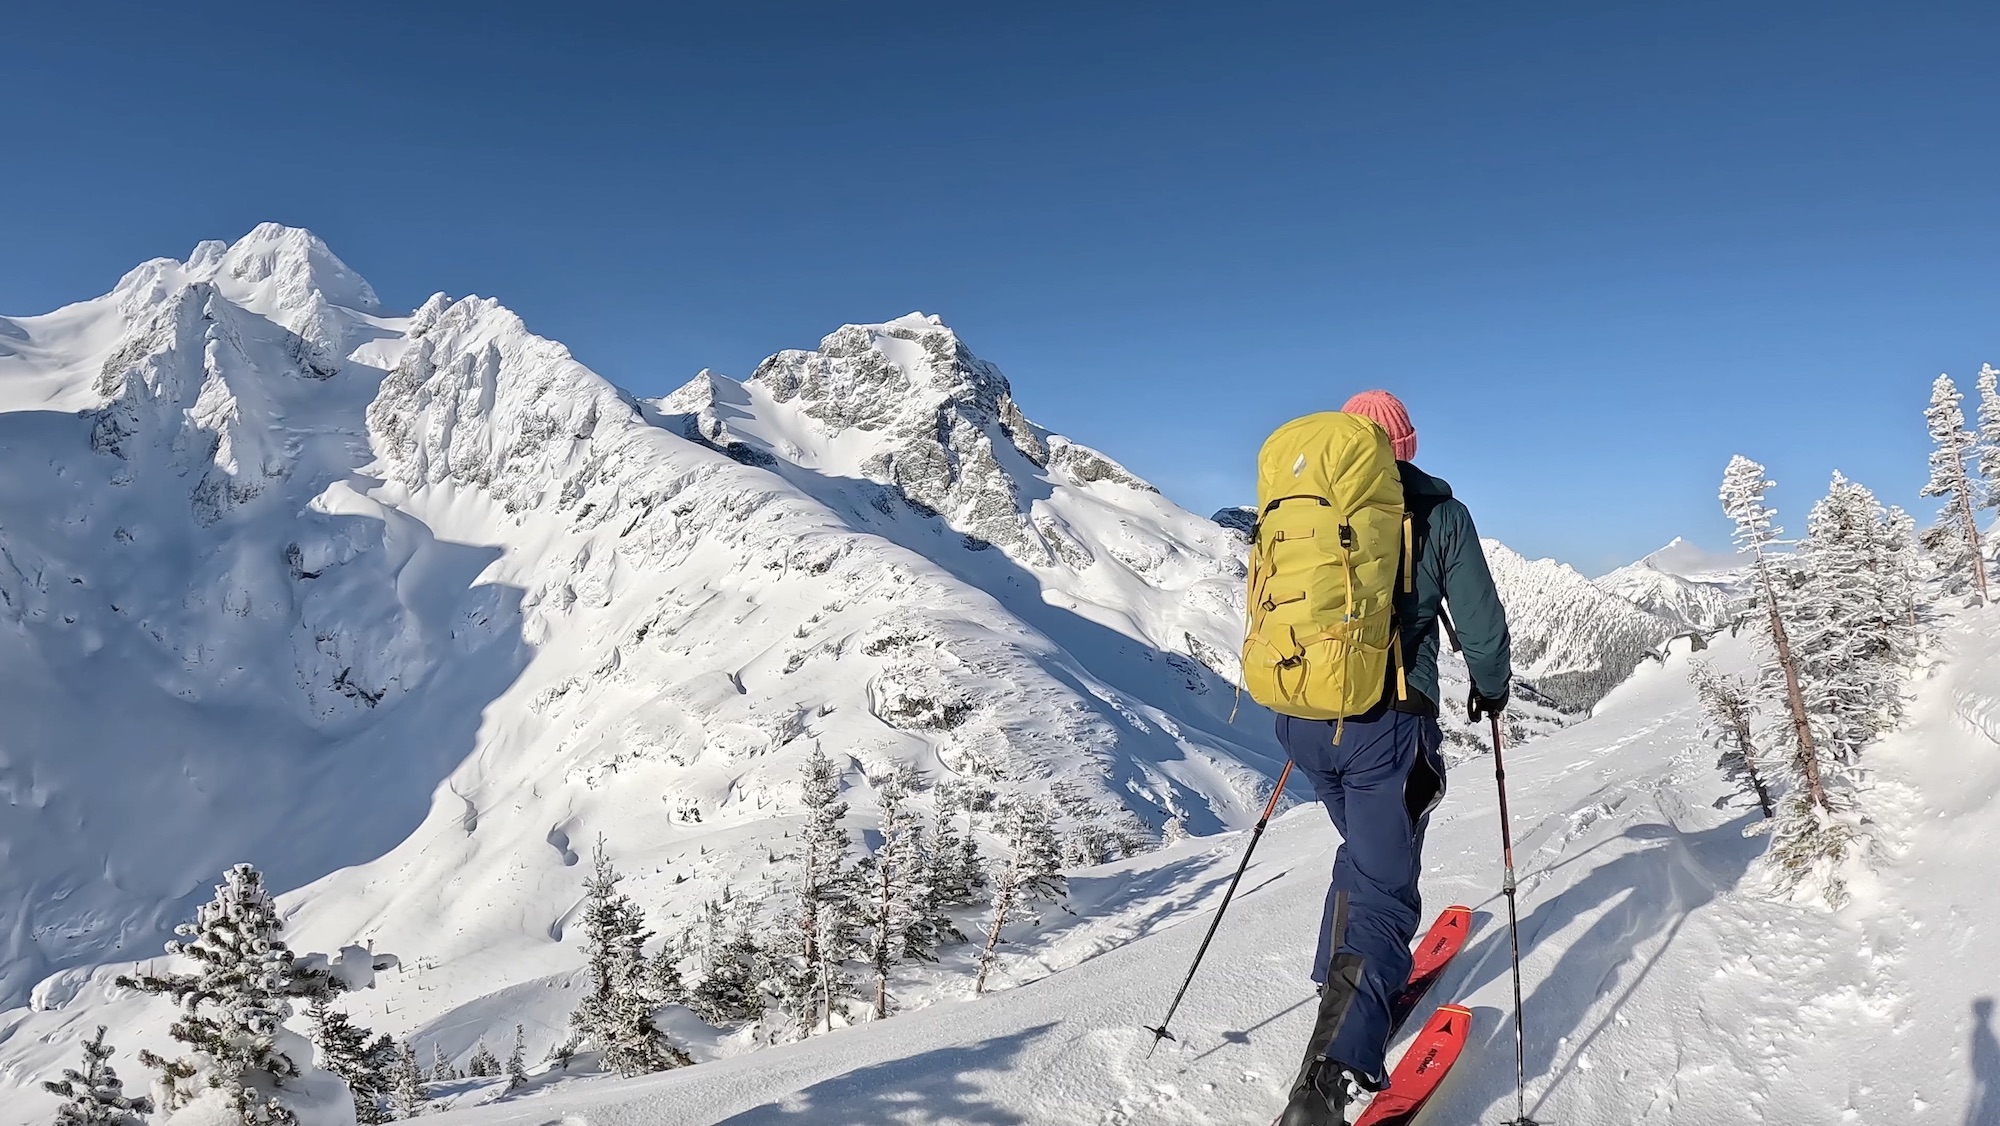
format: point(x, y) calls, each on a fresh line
point(1597, 246)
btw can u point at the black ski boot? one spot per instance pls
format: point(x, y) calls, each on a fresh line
point(1324, 1088)
point(1322, 1097)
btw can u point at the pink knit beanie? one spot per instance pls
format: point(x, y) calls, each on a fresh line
point(1388, 413)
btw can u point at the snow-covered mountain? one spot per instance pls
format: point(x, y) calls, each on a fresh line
point(409, 609)
point(1692, 589)
point(1577, 642)
point(1692, 561)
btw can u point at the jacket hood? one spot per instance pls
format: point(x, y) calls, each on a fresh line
point(1419, 484)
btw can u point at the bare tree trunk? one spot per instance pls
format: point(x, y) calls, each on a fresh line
point(826, 993)
point(1794, 697)
point(1961, 492)
point(1003, 902)
point(809, 927)
point(882, 940)
point(1972, 536)
point(1739, 720)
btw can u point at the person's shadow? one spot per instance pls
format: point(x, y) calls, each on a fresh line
point(1985, 1109)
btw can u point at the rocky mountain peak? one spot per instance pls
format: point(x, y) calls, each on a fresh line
point(893, 376)
point(911, 407)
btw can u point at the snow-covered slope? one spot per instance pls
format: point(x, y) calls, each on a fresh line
point(1662, 984)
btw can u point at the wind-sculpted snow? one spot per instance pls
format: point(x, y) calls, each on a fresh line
point(1978, 704)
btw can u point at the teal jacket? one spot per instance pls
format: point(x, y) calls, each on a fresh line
point(1451, 571)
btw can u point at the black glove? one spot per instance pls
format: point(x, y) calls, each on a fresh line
point(1479, 707)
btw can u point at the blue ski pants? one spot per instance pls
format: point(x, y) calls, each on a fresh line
point(1379, 785)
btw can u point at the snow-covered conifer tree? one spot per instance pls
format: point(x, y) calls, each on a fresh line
point(1743, 489)
point(517, 1062)
point(809, 974)
point(1857, 635)
point(233, 1006)
point(441, 1069)
point(483, 1064)
point(1034, 871)
point(1852, 652)
point(1989, 434)
point(954, 867)
point(382, 1061)
point(931, 925)
point(730, 972)
point(1955, 541)
point(663, 976)
point(616, 1015)
point(1726, 703)
point(943, 886)
point(1903, 578)
point(971, 874)
point(898, 927)
point(406, 1083)
point(942, 860)
point(345, 1050)
point(95, 1096)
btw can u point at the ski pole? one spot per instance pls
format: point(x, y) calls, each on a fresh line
point(1513, 935)
point(1160, 1032)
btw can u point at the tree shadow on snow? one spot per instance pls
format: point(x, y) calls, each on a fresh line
point(930, 1087)
point(1985, 1109)
point(1656, 888)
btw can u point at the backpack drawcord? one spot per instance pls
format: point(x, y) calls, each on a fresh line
point(1347, 624)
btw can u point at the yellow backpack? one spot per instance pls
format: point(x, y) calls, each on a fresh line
point(1330, 531)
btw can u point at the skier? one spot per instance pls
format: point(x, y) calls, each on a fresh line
point(1379, 775)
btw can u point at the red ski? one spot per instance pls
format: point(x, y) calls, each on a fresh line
point(1427, 965)
point(1422, 1068)
point(1435, 952)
